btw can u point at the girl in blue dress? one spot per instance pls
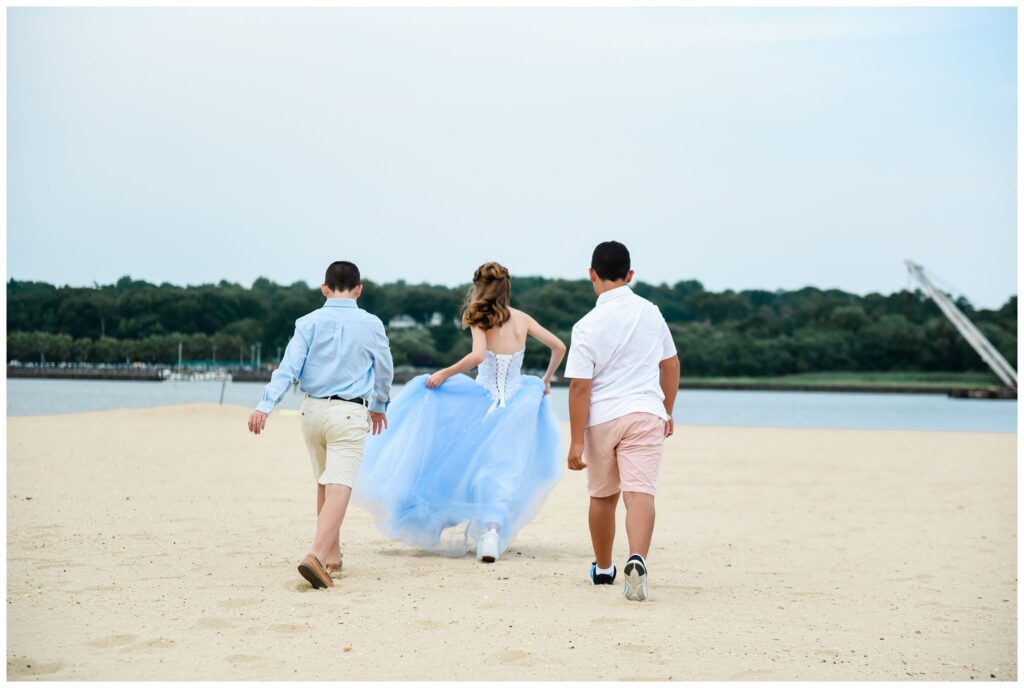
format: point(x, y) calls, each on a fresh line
point(469, 461)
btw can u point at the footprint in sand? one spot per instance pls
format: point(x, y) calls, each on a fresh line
point(155, 578)
point(113, 641)
point(24, 668)
point(682, 589)
point(517, 657)
point(605, 620)
point(288, 628)
point(96, 588)
point(630, 647)
point(216, 623)
point(57, 565)
point(243, 659)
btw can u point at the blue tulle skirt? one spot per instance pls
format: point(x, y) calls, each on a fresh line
point(453, 463)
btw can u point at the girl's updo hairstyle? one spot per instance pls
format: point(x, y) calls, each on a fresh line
point(488, 298)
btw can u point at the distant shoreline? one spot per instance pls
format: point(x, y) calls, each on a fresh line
point(962, 385)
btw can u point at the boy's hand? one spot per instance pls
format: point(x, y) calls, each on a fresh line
point(379, 422)
point(670, 427)
point(257, 421)
point(576, 457)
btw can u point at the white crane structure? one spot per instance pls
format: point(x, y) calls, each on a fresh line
point(999, 365)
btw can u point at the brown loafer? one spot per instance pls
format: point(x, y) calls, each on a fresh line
point(313, 571)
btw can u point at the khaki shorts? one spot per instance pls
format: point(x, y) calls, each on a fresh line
point(624, 455)
point(335, 432)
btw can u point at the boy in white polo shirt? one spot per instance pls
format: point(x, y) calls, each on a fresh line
point(625, 375)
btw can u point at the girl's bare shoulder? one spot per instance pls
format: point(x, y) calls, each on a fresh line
point(522, 316)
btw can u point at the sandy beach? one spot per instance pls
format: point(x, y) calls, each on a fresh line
point(162, 544)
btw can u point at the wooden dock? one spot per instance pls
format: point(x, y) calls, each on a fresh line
point(241, 375)
point(984, 393)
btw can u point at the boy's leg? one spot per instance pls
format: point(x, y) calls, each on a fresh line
point(313, 414)
point(345, 434)
point(603, 485)
point(334, 556)
point(639, 521)
point(602, 528)
point(328, 522)
point(639, 459)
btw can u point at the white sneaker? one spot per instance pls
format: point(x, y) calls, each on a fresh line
point(635, 574)
point(487, 547)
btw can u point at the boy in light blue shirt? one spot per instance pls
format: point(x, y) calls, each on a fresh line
point(341, 357)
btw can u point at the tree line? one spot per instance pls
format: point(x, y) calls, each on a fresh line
point(747, 333)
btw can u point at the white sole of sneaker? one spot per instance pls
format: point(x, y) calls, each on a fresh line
point(636, 584)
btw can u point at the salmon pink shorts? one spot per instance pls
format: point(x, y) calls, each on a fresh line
point(624, 454)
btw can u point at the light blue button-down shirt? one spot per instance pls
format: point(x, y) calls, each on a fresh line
point(340, 350)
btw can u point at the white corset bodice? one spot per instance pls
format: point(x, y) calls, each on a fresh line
point(500, 375)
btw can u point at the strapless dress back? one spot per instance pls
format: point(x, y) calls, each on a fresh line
point(501, 375)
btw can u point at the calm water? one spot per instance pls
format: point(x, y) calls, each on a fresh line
point(698, 407)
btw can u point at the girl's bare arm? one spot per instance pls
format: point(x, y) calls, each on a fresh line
point(467, 362)
point(549, 340)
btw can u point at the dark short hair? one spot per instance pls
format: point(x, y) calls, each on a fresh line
point(342, 276)
point(610, 260)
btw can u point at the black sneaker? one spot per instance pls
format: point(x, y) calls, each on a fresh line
point(601, 578)
point(635, 574)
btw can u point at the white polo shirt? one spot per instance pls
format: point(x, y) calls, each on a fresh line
point(619, 345)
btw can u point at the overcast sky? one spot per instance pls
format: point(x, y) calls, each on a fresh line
point(746, 148)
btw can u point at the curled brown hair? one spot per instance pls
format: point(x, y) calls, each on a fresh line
point(487, 301)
